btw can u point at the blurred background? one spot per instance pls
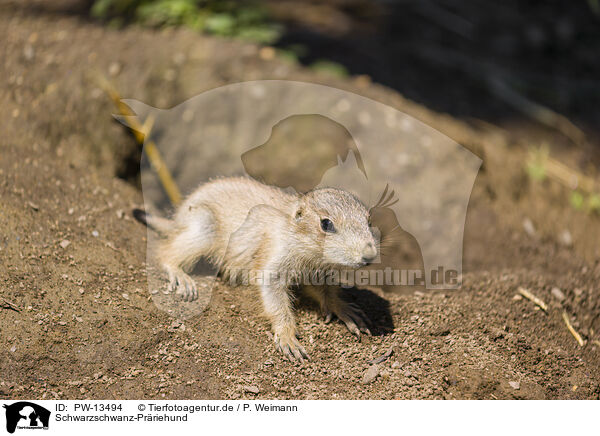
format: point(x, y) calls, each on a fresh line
point(471, 59)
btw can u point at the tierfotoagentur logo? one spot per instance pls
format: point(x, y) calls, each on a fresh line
point(25, 415)
point(388, 193)
point(342, 277)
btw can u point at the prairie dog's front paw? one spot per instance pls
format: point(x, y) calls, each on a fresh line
point(289, 345)
point(350, 314)
point(183, 284)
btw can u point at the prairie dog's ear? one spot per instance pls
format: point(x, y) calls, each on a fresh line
point(300, 210)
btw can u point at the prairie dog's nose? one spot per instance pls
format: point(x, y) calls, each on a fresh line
point(369, 252)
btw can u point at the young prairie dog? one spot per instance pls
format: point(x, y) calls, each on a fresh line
point(240, 224)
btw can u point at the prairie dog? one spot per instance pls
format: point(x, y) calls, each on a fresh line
point(240, 224)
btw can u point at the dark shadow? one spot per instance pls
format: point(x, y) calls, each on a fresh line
point(79, 8)
point(376, 308)
point(443, 53)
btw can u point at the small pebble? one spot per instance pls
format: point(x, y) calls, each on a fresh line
point(95, 233)
point(114, 69)
point(528, 227)
point(252, 389)
point(65, 243)
point(28, 52)
point(515, 385)
point(496, 333)
point(565, 238)
point(176, 325)
point(558, 294)
point(267, 53)
point(370, 374)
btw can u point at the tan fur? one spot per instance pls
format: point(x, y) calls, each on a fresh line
point(242, 225)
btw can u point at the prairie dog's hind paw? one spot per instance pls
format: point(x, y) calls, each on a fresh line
point(182, 284)
point(291, 348)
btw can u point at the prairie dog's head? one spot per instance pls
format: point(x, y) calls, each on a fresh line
point(339, 223)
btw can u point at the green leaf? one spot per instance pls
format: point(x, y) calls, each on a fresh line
point(331, 68)
point(577, 200)
point(594, 203)
point(220, 24)
point(536, 170)
point(536, 162)
point(260, 34)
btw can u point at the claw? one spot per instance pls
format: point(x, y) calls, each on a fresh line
point(298, 355)
point(355, 319)
point(291, 349)
point(172, 282)
point(182, 284)
point(353, 329)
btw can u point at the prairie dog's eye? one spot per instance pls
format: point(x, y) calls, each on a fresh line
point(327, 225)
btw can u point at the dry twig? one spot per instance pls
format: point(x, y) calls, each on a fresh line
point(525, 293)
point(383, 357)
point(5, 304)
point(140, 132)
point(576, 335)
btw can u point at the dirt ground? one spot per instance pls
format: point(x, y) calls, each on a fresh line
point(76, 318)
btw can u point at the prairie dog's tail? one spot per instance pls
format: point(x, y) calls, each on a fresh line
point(156, 223)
